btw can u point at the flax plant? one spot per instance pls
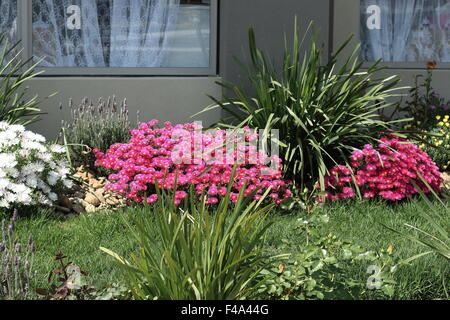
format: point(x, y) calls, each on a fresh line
point(200, 252)
point(323, 110)
point(15, 106)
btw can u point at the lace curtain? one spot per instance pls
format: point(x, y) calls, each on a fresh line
point(112, 33)
point(8, 18)
point(410, 30)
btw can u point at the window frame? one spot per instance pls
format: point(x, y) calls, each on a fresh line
point(353, 26)
point(25, 30)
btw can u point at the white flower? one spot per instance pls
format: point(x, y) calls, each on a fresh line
point(68, 183)
point(7, 160)
point(4, 203)
point(24, 198)
point(4, 183)
point(29, 168)
point(45, 156)
point(52, 178)
point(53, 196)
point(32, 137)
point(56, 148)
point(17, 128)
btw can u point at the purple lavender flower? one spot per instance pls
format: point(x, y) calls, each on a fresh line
point(432, 107)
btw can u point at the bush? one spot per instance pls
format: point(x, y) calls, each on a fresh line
point(318, 268)
point(95, 126)
point(391, 170)
point(438, 143)
point(196, 253)
point(16, 263)
point(424, 105)
point(177, 157)
point(15, 108)
point(31, 172)
point(322, 110)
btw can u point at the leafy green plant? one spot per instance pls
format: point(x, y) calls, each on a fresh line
point(199, 252)
point(318, 268)
point(424, 103)
point(69, 284)
point(95, 126)
point(15, 107)
point(437, 142)
point(16, 263)
point(322, 110)
point(116, 291)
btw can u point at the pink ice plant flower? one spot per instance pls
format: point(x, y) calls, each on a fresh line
point(389, 171)
point(184, 155)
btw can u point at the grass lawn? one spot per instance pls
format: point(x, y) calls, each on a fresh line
point(358, 221)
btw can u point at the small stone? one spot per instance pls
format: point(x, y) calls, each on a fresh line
point(100, 196)
point(92, 200)
point(112, 201)
point(65, 202)
point(79, 194)
point(78, 208)
point(97, 185)
point(91, 209)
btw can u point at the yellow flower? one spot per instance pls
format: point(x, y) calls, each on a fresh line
point(438, 117)
point(441, 123)
point(390, 249)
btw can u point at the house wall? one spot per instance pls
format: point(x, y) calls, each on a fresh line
point(271, 21)
point(177, 98)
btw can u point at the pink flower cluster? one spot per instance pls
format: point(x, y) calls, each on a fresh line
point(387, 171)
point(184, 155)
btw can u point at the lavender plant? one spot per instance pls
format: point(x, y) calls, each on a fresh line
point(95, 126)
point(16, 263)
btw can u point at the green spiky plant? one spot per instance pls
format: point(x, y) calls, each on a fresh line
point(15, 107)
point(323, 110)
point(203, 252)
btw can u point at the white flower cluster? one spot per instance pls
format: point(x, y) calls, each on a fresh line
point(30, 169)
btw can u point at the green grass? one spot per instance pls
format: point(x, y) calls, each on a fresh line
point(358, 221)
point(79, 238)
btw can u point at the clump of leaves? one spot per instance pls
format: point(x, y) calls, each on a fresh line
point(16, 263)
point(69, 284)
point(200, 252)
point(15, 107)
point(317, 268)
point(116, 291)
point(424, 104)
point(95, 126)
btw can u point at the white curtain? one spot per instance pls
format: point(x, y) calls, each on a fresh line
point(140, 31)
point(411, 30)
point(8, 18)
point(114, 33)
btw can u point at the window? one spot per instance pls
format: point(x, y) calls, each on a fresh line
point(8, 19)
point(405, 30)
point(156, 37)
